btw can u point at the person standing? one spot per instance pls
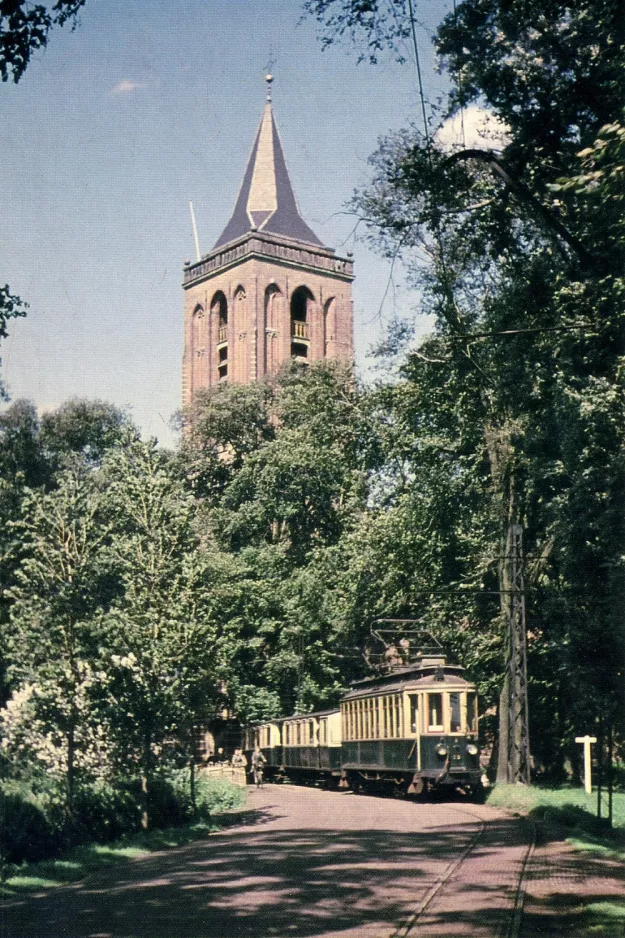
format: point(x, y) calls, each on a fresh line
point(239, 759)
point(258, 764)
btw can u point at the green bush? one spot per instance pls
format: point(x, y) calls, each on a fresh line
point(26, 832)
point(215, 795)
point(36, 826)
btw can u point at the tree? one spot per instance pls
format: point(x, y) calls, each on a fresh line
point(61, 582)
point(25, 28)
point(280, 469)
point(525, 363)
point(11, 307)
point(34, 450)
point(83, 428)
point(162, 657)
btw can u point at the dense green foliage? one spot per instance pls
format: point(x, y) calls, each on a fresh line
point(517, 398)
point(25, 29)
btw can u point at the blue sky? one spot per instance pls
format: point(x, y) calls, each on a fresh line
point(111, 132)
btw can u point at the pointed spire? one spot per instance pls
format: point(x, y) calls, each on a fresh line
point(266, 199)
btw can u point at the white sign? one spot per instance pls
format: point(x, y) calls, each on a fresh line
point(587, 740)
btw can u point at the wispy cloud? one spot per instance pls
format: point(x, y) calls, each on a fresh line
point(127, 87)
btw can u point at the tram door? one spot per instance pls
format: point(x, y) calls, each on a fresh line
point(415, 728)
point(414, 714)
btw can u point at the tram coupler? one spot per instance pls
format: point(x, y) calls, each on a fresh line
point(344, 781)
point(416, 785)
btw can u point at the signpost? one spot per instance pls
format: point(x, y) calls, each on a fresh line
point(587, 741)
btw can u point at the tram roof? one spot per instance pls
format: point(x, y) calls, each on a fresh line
point(417, 676)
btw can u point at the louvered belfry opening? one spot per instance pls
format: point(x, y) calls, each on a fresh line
point(300, 323)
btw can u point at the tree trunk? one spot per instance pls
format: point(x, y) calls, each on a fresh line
point(145, 783)
point(192, 780)
point(71, 769)
point(501, 455)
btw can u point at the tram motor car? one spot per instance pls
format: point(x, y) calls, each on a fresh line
point(413, 729)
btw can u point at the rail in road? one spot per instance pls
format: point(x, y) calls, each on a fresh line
point(309, 864)
point(449, 906)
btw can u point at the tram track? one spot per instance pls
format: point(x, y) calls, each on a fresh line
point(417, 925)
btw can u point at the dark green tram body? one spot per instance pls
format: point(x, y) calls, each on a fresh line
point(413, 729)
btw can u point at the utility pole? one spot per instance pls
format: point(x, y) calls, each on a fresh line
point(518, 755)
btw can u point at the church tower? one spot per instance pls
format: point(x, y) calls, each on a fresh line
point(269, 290)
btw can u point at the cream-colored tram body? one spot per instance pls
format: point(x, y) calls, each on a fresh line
point(305, 747)
point(414, 729)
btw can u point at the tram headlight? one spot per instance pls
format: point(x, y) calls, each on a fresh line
point(442, 750)
point(472, 749)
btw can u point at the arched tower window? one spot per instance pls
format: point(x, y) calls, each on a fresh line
point(219, 314)
point(240, 365)
point(300, 322)
point(198, 336)
point(273, 306)
point(329, 326)
point(199, 349)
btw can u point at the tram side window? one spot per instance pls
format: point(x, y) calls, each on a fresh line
point(414, 713)
point(454, 713)
point(399, 716)
point(435, 713)
point(323, 732)
point(472, 712)
point(311, 731)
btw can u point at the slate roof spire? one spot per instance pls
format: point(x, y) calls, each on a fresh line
point(266, 199)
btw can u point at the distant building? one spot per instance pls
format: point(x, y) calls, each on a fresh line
point(269, 290)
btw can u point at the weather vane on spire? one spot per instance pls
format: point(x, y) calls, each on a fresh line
point(268, 76)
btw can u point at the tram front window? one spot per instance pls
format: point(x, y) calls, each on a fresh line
point(472, 712)
point(454, 713)
point(435, 713)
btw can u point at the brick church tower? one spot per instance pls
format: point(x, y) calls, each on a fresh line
point(269, 290)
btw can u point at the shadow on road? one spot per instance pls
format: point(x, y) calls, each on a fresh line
point(251, 881)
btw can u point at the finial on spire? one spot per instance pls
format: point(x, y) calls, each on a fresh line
point(269, 79)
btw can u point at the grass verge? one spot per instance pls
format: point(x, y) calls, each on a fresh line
point(569, 814)
point(604, 919)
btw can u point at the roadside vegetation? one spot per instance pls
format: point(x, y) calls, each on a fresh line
point(214, 797)
point(570, 813)
point(567, 813)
